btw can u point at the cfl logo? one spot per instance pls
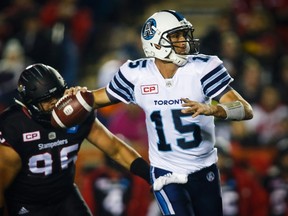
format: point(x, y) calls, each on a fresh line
point(68, 110)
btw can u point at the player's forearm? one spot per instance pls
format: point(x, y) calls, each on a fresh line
point(196, 108)
point(235, 110)
point(123, 153)
point(132, 161)
point(118, 150)
point(135, 163)
point(235, 106)
point(111, 145)
point(217, 111)
point(101, 98)
point(232, 110)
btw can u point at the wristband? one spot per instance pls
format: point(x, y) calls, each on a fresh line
point(234, 110)
point(141, 168)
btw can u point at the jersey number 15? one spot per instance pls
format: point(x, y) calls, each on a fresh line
point(181, 142)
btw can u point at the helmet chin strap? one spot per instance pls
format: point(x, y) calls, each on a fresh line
point(43, 118)
point(19, 102)
point(179, 60)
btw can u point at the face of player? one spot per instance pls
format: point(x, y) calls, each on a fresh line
point(48, 105)
point(180, 41)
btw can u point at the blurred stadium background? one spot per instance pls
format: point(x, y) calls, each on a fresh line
point(87, 40)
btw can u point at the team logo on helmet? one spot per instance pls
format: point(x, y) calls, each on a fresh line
point(147, 31)
point(21, 88)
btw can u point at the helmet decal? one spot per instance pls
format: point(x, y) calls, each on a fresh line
point(147, 31)
point(21, 88)
point(52, 90)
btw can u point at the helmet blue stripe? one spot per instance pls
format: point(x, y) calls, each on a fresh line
point(177, 15)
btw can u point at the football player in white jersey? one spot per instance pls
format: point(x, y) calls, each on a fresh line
point(175, 85)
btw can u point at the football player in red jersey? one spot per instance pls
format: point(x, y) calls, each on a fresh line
point(37, 163)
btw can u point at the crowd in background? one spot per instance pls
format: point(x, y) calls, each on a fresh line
point(88, 40)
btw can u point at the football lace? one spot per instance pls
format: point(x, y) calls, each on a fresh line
point(61, 99)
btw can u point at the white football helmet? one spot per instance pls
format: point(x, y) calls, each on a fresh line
point(155, 40)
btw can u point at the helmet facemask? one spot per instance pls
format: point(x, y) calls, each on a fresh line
point(191, 46)
point(37, 110)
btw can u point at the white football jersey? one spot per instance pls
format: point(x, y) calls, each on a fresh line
point(177, 142)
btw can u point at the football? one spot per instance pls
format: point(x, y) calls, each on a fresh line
point(71, 110)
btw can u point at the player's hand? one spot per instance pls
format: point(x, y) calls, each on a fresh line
point(196, 108)
point(74, 90)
